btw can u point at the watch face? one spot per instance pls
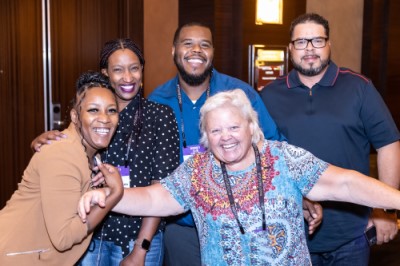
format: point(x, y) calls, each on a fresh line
point(146, 244)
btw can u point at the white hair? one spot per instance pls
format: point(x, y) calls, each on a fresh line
point(235, 98)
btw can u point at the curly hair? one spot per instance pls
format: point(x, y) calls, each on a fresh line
point(86, 81)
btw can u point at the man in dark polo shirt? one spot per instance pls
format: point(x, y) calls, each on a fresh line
point(336, 114)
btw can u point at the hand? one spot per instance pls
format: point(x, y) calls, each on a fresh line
point(45, 138)
point(111, 175)
point(313, 214)
point(135, 258)
point(91, 198)
point(98, 196)
point(97, 180)
point(386, 225)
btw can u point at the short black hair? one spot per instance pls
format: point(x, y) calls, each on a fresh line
point(309, 17)
point(190, 24)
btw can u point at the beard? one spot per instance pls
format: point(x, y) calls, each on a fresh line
point(312, 71)
point(192, 80)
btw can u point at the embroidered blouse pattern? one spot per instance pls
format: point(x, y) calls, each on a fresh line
point(198, 185)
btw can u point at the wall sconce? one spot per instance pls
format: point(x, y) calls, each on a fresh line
point(269, 12)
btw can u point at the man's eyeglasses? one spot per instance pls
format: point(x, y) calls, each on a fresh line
point(317, 42)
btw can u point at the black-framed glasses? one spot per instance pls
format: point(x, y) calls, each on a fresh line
point(317, 42)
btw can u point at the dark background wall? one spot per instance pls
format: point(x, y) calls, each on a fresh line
point(380, 53)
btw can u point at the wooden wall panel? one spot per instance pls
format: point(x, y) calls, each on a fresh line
point(158, 34)
point(21, 96)
point(228, 36)
point(197, 11)
point(224, 19)
point(380, 56)
point(79, 30)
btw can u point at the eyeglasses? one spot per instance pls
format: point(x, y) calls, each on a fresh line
point(317, 42)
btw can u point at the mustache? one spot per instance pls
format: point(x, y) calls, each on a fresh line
point(308, 55)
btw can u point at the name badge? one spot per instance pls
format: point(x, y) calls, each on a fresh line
point(190, 150)
point(124, 172)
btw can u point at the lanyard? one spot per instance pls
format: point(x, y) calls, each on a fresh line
point(179, 94)
point(128, 149)
point(130, 138)
point(128, 142)
point(259, 188)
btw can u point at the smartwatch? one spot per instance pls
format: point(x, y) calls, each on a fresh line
point(144, 243)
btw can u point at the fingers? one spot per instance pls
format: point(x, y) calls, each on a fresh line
point(56, 135)
point(107, 168)
point(91, 198)
point(313, 225)
point(104, 168)
point(387, 239)
point(111, 175)
point(83, 209)
point(389, 236)
point(36, 147)
point(318, 212)
point(313, 213)
point(311, 229)
point(386, 225)
point(370, 223)
point(98, 179)
point(46, 138)
point(38, 143)
point(386, 235)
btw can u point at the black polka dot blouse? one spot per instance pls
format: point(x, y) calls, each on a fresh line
point(150, 155)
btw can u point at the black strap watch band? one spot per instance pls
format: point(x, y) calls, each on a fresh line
point(390, 210)
point(143, 243)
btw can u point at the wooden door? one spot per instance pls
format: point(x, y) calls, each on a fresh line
point(21, 81)
point(76, 32)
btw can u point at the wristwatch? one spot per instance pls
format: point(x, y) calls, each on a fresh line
point(144, 243)
point(390, 210)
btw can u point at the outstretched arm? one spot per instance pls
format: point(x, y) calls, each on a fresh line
point(153, 200)
point(339, 184)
